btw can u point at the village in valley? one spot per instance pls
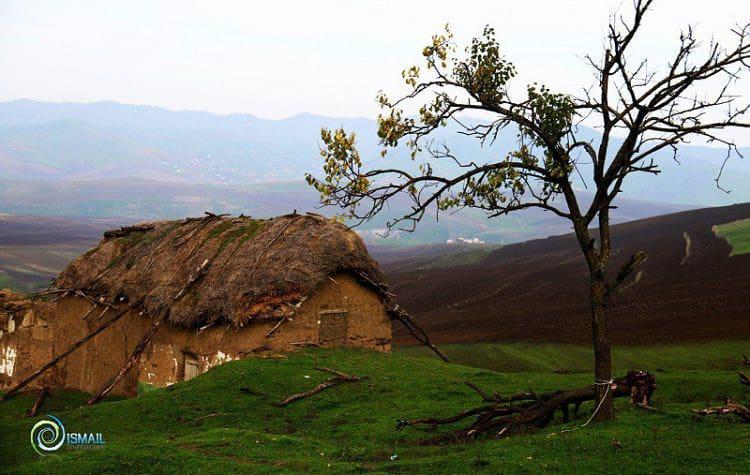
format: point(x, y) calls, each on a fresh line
point(500, 273)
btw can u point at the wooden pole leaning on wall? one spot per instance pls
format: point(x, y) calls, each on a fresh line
point(39, 399)
point(17, 388)
point(417, 332)
point(147, 337)
point(200, 272)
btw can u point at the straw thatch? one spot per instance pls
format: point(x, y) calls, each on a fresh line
point(199, 272)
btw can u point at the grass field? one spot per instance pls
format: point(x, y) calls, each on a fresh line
point(208, 424)
point(548, 357)
point(737, 235)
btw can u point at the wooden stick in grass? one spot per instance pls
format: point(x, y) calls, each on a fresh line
point(40, 397)
point(338, 378)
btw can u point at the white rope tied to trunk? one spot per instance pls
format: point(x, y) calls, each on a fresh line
point(598, 382)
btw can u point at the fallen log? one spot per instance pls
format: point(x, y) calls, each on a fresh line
point(128, 364)
point(338, 378)
point(15, 389)
point(730, 407)
point(40, 397)
point(527, 411)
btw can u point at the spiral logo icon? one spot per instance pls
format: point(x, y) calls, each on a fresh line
point(47, 435)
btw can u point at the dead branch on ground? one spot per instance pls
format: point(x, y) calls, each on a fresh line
point(338, 378)
point(744, 379)
point(527, 411)
point(730, 407)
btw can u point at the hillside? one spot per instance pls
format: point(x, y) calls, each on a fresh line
point(110, 160)
point(33, 249)
point(66, 142)
point(139, 200)
point(211, 425)
point(689, 289)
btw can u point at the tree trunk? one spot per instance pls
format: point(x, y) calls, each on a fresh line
point(602, 349)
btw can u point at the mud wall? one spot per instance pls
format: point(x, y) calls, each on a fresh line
point(368, 326)
point(39, 331)
point(32, 333)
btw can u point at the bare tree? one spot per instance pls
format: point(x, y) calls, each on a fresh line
point(638, 109)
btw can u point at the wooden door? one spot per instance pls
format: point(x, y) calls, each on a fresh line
point(192, 367)
point(333, 325)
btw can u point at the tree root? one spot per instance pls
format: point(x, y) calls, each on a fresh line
point(526, 411)
point(729, 407)
point(338, 377)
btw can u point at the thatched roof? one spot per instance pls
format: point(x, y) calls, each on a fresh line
point(210, 270)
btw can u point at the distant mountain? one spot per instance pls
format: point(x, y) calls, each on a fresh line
point(62, 142)
point(136, 199)
point(43, 141)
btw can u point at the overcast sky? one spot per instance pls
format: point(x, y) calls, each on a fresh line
point(278, 58)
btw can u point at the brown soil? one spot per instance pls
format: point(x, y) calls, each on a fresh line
point(537, 291)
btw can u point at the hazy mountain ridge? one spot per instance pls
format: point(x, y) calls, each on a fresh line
point(46, 141)
point(140, 162)
point(137, 199)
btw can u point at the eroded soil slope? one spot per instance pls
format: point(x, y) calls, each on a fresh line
point(689, 289)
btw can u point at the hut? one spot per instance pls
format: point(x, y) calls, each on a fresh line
point(162, 302)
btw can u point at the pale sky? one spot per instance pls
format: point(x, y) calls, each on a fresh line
point(279, 58)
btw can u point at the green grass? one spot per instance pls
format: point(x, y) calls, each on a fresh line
point(737, 234)
point(551, 357)
point(244, 232)
point(209, 425)
point(229, 234)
